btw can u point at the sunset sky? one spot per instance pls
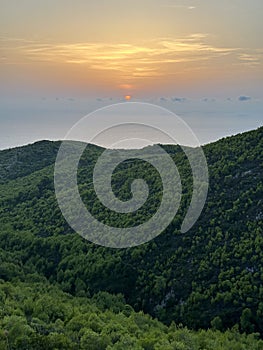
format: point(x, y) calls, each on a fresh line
point(59, 59)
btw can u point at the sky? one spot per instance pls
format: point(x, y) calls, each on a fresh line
point(59, 60)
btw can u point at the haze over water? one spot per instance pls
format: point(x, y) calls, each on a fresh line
point(59, 61)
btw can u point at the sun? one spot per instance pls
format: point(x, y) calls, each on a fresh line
point(127, 97)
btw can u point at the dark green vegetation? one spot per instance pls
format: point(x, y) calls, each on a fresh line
point(209, 277)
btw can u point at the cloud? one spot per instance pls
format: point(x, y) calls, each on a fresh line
point(129, 63)
point(145, 60)
point(249, 59)
point(178, 99)
point(126, 86)
point(206, 99)
point(174, 6)
point(244, 98)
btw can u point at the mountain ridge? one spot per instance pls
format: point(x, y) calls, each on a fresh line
point(51, 152)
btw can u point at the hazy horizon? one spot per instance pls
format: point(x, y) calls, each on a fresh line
point(60, 61)
point(210, 119)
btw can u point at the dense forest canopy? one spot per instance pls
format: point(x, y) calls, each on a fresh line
point(57, 288)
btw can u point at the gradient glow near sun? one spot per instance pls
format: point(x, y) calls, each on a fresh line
point(127, 97)
point(131, 66)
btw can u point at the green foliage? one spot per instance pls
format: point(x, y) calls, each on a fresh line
point(208, 277)
point(24, 325)
point(217, 323)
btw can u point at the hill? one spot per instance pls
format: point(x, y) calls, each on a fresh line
point(210, 276)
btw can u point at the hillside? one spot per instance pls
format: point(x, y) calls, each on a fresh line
point(21, 161)
point(37, 316)
point(212, 275)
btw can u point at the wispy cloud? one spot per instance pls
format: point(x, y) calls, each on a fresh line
point(179, 6)
point(160, 57)
point(138, 59)
point(250, 59)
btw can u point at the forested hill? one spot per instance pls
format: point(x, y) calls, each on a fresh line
point(22, 161)
point(209, 276)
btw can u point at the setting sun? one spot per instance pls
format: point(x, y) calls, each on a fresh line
point(127, 97)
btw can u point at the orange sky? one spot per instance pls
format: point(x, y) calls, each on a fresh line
point(154, 47)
